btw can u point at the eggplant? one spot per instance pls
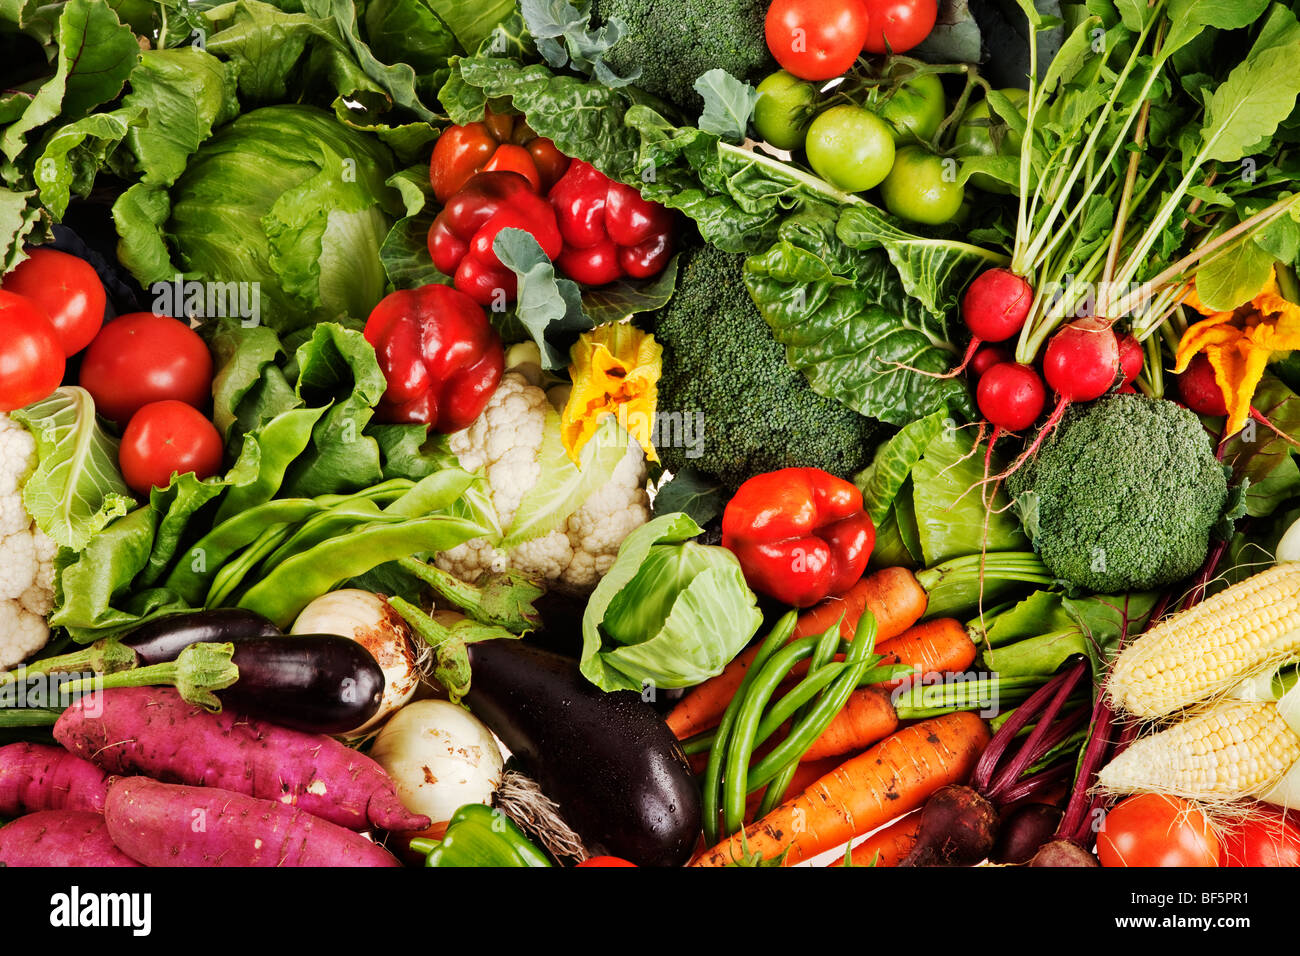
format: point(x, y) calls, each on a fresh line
point(318, 683)
point(163, 639)
point(618, 773)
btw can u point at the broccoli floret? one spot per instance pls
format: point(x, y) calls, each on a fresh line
point(723, 370)
point(1123, 495)
point(674, 42)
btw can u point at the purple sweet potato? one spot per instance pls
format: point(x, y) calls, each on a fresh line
point(162, 824)
point(60, 838)
point(40, 777)
point(154, 732)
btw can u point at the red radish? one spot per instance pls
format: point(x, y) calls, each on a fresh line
point(1081, 363)
point(988, 357)
point(1131, 357)
point(1011, 396)
point(40, 777)
point(996, 305)
point(1200, 392)
point(60, 838)
point(994, 308)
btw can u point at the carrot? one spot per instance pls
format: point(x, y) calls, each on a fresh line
point(941, 646)
point(892, 594)
point(866, 719)
point(895, 776)
point(809, 772)
point(886, 847)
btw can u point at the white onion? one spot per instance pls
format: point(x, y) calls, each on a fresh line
point(369, 620)
point(440, 758)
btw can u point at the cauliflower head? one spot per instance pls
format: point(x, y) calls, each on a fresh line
point(506, 441)
point(26, 554)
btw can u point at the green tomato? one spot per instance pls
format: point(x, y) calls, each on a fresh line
point(922, 187)
point(916, 110)
point(982, 133)
point(851, 148)
point(783, 109)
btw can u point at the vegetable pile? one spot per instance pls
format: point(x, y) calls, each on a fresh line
point(553, 433)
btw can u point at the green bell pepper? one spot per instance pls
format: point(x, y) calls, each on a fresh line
point(479, 835)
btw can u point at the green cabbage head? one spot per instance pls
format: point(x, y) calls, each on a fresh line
point(288, 197)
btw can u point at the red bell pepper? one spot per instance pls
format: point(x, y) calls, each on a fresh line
point(500, 142)
point(439, 354)
point(800, 534)
point(460, 240)
point(609, 230)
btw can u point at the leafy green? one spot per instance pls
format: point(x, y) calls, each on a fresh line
point(882, 480)
point(669, 613)
point(546, 306)
point(728, 105)
point(564, 37)
point(950, 512)
point(849, 327)
point(693, 494)
point(76, 488)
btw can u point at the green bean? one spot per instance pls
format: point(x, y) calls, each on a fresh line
point(435, 492)
point(793, 701)
point(805, 733)
point(394, 489)
point(738, 754)
point(232, 574)
point(775, 639)
point(296, 582)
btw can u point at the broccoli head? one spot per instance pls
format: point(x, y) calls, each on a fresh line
point(674, 42)
point(1123, 495)
point(727, 388)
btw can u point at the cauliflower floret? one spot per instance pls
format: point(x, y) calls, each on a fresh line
point(26, 554)
point(506, 441)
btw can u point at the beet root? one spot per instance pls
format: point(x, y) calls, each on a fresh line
point(958, 828)
point(1024, 831)
point(1063, 853)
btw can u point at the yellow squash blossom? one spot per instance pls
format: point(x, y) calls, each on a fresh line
point(615, 371)
point(1239, 343)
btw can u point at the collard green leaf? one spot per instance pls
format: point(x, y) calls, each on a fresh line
point(76, 488)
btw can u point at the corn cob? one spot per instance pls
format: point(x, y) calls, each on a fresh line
point(1232, 750)
point(1201, 653)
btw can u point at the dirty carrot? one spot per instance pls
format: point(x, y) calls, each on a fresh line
point(895, 598)
point(940, 646)
point(886, 847)
point(896, 776)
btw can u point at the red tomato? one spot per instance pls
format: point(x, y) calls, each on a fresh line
point(67, 288)
point(1153, 829)
point(168, 437)
point(605, 861)
point(459, 153)
point(550, 162)
point(898, 25)
point(816, 39)
point(141, 358)
point(31, 357)
point(1268, 838)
